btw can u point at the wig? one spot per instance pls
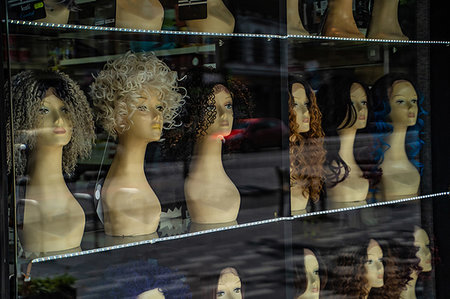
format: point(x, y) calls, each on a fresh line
point(119, 85)
point(306, 150)
point(134, 278)
point(28, 89)
point(199, 112)
point(300, 278)
point(335, 103)
point(209, 283)
point(383, 127)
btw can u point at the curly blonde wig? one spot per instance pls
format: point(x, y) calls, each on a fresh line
point(306, 151)
point(28, 89)
point(118, 86)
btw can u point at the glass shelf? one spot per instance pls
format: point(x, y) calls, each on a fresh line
point(97, 242)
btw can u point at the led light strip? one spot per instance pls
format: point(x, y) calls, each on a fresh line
point(238, 226)
point(193, 33)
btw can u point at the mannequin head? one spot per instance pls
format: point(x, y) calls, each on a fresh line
point(306, 138)
point(344, 103)
point(310, 275)
point(423, 253)
point(229, 285)
point(50, 110)
point(136, 96)
point(145, 280)
point(397, 105)
point(359, 268)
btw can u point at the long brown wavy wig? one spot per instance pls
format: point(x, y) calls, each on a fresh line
point(306, 151)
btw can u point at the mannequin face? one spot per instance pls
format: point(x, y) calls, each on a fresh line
point(146, 121)
point(229, 285)
point(374, 265)
point(224, 113)
point(312, 276)
point(151, 294)
point(422, 241)
point(53, 123)
point(301, 107)
point(358, 97)
point(403, 103)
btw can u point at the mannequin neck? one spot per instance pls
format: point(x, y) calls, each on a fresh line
point(208, 154)
point(45, 166)
point(130, 156)
point(343, 7)
point(396, 140)
point(410, 291)
point(347, 141)
point(412, 283)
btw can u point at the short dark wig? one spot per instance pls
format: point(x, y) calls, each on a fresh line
point(300, 278)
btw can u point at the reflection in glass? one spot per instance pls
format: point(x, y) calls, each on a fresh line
point(53, 128)
point(136, 96)
point(310, 275)
point(343, 102)
point(398, 124)
point(307, 154)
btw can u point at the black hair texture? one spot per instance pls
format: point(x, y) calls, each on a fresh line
point(300, 279)
point(334, 101)
point(199, 111)
point(136, 277)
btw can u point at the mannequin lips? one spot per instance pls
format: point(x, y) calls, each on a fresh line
point(59, 130)
point(306, 120)
point(362, 117)
point(156, 127)
point(411, 115)
point(224, 123)
point(380, 276)
point(315, 290)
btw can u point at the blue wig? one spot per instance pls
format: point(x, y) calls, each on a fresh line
point(382, 128)
point(134, 278)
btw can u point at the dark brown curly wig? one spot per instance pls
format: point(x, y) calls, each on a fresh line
point(348, 272)
point(28, 88)
point(307, 154)
point(199, 111)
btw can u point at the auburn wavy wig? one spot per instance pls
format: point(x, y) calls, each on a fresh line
point(306, 150)
point(28, 89)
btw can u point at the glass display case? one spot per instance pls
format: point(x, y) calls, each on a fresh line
point(224, 149)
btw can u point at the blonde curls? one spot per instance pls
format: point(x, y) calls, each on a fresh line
point(118, 86)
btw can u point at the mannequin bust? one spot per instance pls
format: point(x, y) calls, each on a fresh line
point(397, 110)
point(384, 21)
point(136, 96)
point(219, 19)
point(294, 23)
point(305, 145)
point(57, 11)
point(211, 196)
point(344, 104)
point(139, 14)
point(52, 119)
point(145, 279)
point(423, 254)
point(359, 268)
point(308, 272)
point(339, 20)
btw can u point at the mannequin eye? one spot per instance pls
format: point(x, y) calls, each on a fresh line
point(316, 272)
point(400, 102)
point(364, 103)
point(160, 108)
point(237, 290)
point(210, 108)
point(142, 108)
point(414, 101)
point(370, 262)
point(65, 110)
point(229, 106)
point(43, 110)
point(220, 293)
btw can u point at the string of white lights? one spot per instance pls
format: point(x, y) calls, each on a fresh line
point(214, 34)
point(237, 226)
